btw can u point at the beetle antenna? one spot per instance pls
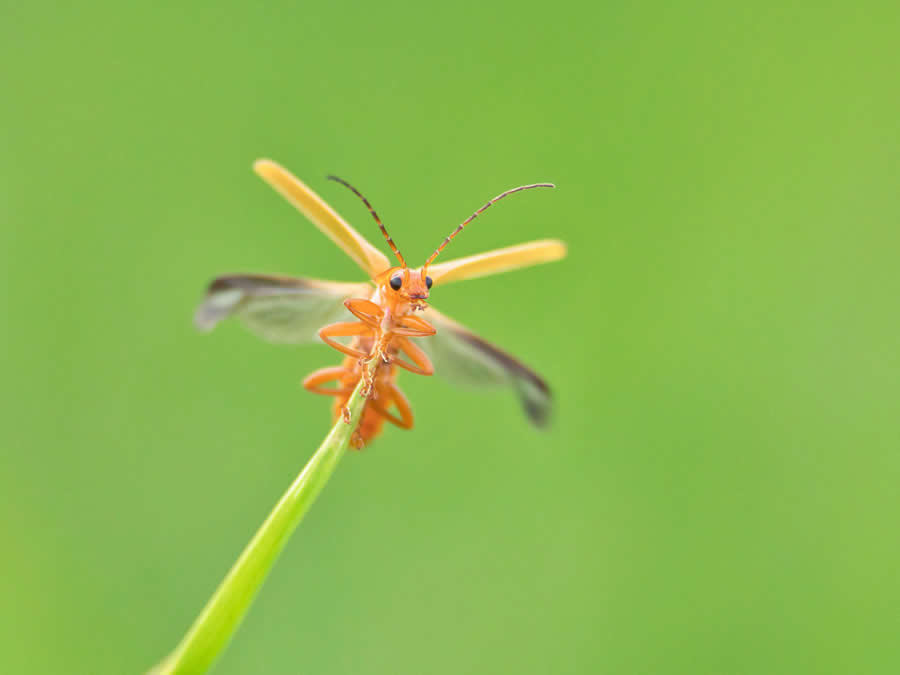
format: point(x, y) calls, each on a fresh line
point(475, 215)
point(374, 215)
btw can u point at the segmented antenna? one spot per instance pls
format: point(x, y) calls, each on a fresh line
point(475, 215)
point(374, 215)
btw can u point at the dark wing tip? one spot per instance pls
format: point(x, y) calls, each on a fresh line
point(532, 389)
point(537, 401)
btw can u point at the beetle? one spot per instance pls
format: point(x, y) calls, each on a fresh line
point(391, 314)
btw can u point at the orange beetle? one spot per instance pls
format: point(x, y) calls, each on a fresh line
point(389, 317)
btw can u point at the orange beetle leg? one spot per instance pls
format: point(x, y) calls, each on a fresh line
point(413, 326)
point(315, 379)
point(403, 407)
point(345, 329)
point(405, 421)
point(365, 310)
point(421, 364)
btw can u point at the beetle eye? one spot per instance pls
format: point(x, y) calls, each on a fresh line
point(396, 283)
point(428, 282)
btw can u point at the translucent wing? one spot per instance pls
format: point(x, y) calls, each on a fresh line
point(464, 358)
point(278, 309)
point(501, 260)
point(323, 216)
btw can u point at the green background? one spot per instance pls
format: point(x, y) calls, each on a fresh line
point(719, 490)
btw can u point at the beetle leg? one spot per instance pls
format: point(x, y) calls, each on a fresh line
point(392, 393)
point(413, 326)
point(314, 380)
point(365, 310)
point(421, 364)
point(345, 329)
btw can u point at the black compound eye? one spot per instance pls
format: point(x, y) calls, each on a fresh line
point(396, 283)
point(428, 282)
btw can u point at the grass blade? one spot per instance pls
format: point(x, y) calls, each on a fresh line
point(218, 621)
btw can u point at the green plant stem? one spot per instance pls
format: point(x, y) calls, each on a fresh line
point(218, 621)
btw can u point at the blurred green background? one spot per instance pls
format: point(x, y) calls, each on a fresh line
point(719, 492)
